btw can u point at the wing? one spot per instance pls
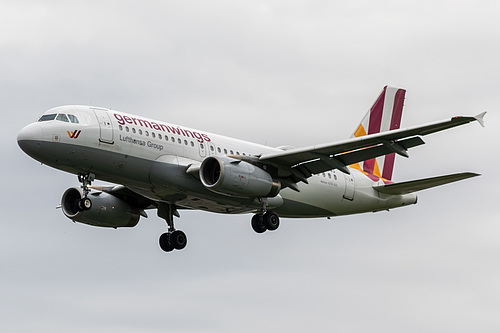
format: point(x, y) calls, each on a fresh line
point(299, 164)
point(129, 196)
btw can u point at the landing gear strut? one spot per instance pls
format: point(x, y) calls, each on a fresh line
point(173, 239)
point(86, 179)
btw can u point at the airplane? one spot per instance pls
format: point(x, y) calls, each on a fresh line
point(169, 167)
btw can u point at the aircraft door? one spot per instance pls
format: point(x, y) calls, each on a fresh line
point(349, 187)
point(106, 129)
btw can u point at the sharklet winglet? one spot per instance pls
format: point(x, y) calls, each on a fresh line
point(480, 118)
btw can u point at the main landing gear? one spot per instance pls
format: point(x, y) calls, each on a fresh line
point(86, 179)
point(173, 239)
point(265, 220)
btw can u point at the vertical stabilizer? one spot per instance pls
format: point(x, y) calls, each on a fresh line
point(384, 115)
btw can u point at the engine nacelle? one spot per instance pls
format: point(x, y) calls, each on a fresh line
point(106, 211)
point(238, 178)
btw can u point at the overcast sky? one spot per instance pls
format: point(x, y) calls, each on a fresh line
point(272, 72)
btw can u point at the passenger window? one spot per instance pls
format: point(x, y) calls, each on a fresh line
point(179, 141)
point(62, 117)
point(212, 148)
point(186, 142)
point(218, 150)
point(225, 151)
point(120, 127)
point(133, 130)
point(73, 119)
point(192, 144)
point(173, 139)
point(140, 132)
point(159, 136)
point(47, 117)
point(153, 134)
point(146, 132)
point(127, 129)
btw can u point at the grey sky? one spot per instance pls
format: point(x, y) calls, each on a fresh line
point(272, 72)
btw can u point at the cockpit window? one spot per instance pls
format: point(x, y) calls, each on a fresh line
point(62, 117)
point(73, 118)
point(47, 117)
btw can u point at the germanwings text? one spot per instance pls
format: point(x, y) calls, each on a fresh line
point(122, 120)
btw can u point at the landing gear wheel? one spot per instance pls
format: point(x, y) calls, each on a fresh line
point(258, 224)
point(84, 204)
point(165, 242)
point(178, 239)
point(173, 239)
point(86, 179)
point(271, 221)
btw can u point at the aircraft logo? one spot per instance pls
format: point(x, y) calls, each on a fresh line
point(74, 134)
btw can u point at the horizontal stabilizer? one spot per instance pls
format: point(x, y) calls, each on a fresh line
point(422, 184)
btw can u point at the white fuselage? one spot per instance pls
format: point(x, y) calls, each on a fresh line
point(154, 158)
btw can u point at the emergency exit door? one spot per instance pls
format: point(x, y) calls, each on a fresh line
point(349, 187)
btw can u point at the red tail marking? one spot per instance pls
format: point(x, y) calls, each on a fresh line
point(374, 126)
point(376, 113)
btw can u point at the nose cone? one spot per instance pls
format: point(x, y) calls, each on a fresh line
point(29, 138)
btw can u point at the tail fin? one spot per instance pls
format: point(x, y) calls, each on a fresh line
point(384, 115)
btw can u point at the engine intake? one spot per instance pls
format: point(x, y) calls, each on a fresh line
point(229, 176)
point(106, 211)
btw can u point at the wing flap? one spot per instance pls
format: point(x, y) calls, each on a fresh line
point(325, 163)
point(422, 184)
point(380, 150)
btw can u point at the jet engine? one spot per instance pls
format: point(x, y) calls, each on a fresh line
point(106, 210)
point(234, 177)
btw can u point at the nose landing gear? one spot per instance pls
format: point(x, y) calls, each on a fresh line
point(86, 179)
